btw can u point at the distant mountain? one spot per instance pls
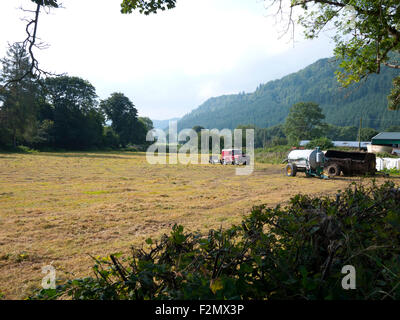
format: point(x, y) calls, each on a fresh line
point(270, 103)
point(163, 124)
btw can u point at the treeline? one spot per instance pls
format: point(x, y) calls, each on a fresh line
point(62, 112)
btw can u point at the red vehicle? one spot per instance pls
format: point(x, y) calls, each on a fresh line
point(234, 156)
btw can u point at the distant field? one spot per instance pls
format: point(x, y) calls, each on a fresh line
point(63, 207)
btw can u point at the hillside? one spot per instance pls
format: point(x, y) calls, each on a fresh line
point(162, 124)
point(270, 103)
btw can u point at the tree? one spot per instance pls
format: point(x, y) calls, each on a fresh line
point(304, 122)
point(148, 124)
point(269, 137)
point(78, 122)
point(265, 137)
point(110, 138)
point(123, 115)
point(393, 129)
point(243, 129)
point(198, 129)
point(394, 96)
point(30, 43)
point(367, 34)
point(18, 109)
point(144, 125)
point(367, 133)
point(147, 6)
point(347, 133)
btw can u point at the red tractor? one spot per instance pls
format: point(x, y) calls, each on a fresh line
point(234, 156)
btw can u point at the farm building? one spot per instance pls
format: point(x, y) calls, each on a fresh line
point(350, 144)
point(391, 139)
point(385, 142)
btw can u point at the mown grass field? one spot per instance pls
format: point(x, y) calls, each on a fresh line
point(60, 208)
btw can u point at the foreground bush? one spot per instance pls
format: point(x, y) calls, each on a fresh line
point(295, 252)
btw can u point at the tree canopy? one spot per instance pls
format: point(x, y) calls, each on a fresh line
point(78, 123)
point(146, 6)
point(48, 3)
point(16, 110)
point(123, 115)
point(304, 122)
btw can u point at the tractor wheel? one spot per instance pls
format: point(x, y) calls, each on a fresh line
point(333, 170)
point(291, 170)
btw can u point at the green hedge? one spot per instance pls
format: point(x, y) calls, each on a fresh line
point(291, 252)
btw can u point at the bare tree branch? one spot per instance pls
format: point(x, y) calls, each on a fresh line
point(29, 44)
point(390, 65)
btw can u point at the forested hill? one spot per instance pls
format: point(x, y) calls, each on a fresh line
point(270, 103)
point(162, 124)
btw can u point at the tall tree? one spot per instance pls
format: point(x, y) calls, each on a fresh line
point(78, 122)
point(144, 126)
point(123, 115)
point(148, 124)
point(18, 109)
point(367, 134)
point(304, 122)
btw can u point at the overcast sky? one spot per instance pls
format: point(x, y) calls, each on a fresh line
point(169, 63)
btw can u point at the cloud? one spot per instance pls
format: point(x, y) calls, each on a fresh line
point(208, 89)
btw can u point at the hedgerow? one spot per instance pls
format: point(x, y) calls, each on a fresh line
point(291, 252)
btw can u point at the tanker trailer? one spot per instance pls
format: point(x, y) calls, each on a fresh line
point(311, 162)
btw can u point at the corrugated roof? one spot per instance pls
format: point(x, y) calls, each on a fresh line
point(353, 144)
point(387, 136)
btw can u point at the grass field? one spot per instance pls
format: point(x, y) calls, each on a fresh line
point(60, 208)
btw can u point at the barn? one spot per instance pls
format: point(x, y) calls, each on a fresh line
point(391, 139)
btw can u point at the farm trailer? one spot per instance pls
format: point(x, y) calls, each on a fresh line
point(333, 162)
point(349, 163)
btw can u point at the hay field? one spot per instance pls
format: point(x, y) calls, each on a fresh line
point(60, 208)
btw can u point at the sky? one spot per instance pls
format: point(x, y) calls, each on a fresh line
point(171, 62)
